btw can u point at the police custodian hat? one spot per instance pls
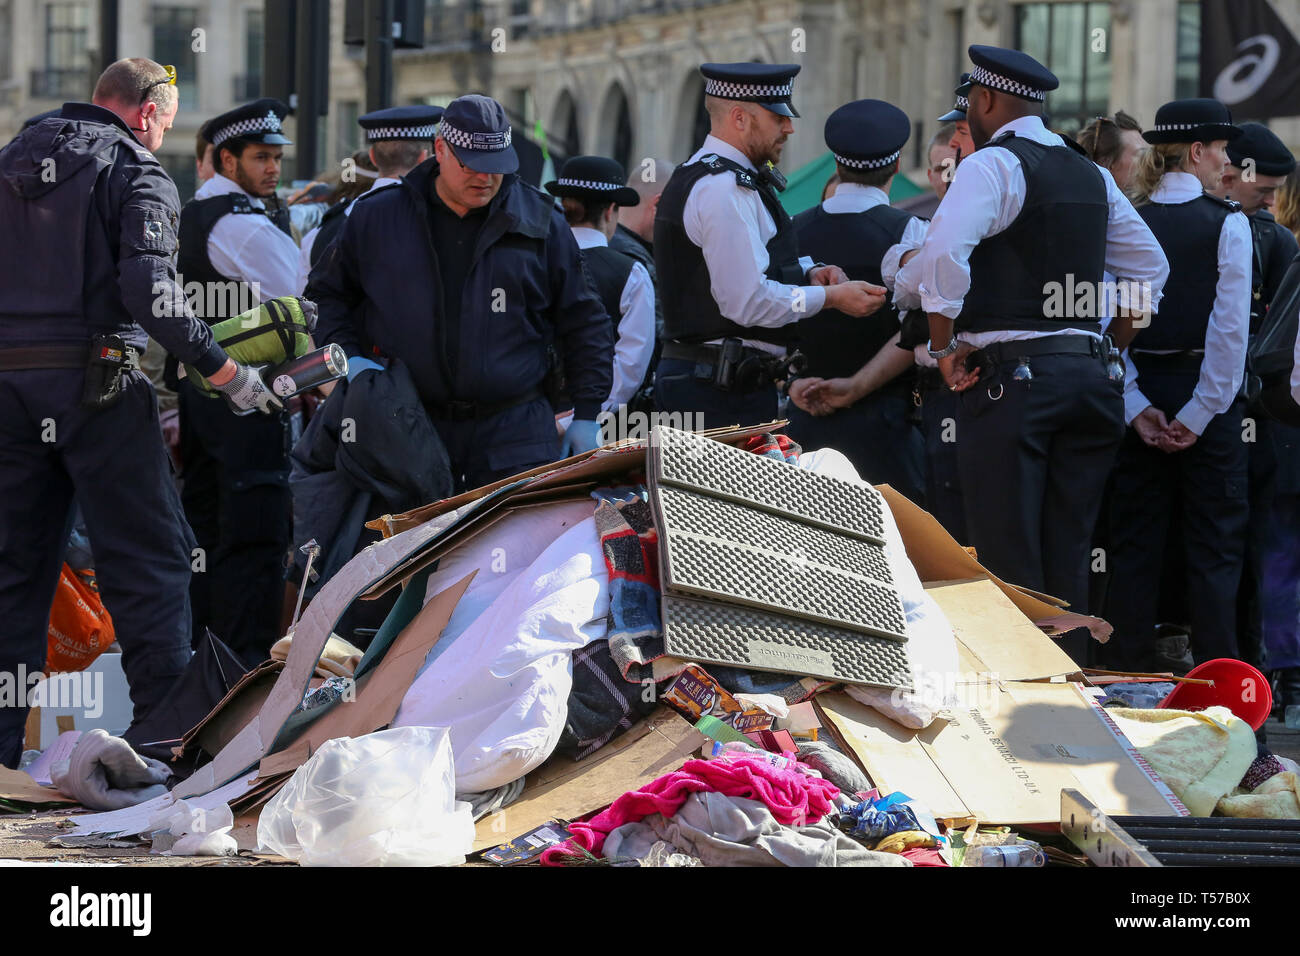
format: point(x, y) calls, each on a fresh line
point(770, 85)
point(256, 122)
point(1200, 120)
point(594, 177)
point(415, 123)
point(1261, 144)
point(1009, 71)
point(867, 134)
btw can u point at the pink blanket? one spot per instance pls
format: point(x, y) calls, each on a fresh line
point(793, 798)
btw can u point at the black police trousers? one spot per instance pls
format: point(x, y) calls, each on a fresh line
point(678, 390)
point(1033, 458)
point(1204, 490)
point(113, 462)
point(943, 497)
point(237, 500)
point(516, 439)
point(875, 435)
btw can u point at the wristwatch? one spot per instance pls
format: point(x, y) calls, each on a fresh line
point(944, 352)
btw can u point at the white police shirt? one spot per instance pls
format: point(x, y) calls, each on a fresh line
point(251, 248)
point(636, 328)
point(732, 227)
point(1228, 331)
point(986, 195)
point(304, 254)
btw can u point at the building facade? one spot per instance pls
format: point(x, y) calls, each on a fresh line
point(620, 77)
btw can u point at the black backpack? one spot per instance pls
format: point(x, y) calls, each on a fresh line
point(1270, 358)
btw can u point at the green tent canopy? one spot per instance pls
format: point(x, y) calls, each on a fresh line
point(806, 183)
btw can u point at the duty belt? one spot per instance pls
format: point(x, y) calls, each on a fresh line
point(732, 367)
point(477, 411)
point(27, 358)
point(1047, 345)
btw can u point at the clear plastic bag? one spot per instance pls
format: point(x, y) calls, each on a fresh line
point(385, 799)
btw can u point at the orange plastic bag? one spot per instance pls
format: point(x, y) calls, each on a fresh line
point(80, 627)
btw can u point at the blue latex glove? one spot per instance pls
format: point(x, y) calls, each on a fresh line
point(583, 435)
point(357, 365)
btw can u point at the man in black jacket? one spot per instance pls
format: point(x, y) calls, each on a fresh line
point(471, 277)
point(76, 416)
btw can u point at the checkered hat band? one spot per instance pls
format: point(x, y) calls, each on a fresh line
point(868, 163)
point(587, 184)
point(1180, 127)
point(479, 142)
point(743, 91)
point(402, 132)
point(995, 81)
point(963, 104)
point(270, 123)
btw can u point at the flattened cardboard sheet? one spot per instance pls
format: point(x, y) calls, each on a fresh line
point(1005, 756)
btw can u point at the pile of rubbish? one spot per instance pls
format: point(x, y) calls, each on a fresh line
point(692, 650)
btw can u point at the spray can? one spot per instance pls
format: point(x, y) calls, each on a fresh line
point(299, 374)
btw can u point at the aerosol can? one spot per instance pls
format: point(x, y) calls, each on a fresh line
point(326, 364)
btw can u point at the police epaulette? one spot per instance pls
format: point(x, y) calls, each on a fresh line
point(1232, 204)
point(719, 165)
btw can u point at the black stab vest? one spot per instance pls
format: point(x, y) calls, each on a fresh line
point(608, 271)
point(1059, 237)
point(1188, 232)
point(837, 345)
point(198, 217)
point(691, 313)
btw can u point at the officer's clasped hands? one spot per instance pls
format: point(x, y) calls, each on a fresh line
point(855, 297)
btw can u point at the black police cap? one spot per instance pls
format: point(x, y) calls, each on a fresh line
point(416, 123)
point(770, 85)
point(1009, 71)
point(867, 134)
point(256, 122)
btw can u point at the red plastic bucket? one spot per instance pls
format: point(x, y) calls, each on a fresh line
point(1237, 686)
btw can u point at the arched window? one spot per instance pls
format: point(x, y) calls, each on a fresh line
point(615, 133)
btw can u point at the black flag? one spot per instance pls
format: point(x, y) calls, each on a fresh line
point(1250, 59)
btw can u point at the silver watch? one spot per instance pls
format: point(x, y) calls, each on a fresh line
point(944, 352)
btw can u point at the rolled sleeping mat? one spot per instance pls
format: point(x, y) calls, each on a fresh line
point(271, 334)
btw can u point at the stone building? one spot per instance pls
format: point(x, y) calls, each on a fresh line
point(619, 76)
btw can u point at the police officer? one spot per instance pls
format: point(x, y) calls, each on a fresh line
point(961, 139)
point(938, 403)
point(1184, 458)
point(635, 237)
point(1039, 418)
point(858, 395)
point(471, 277)
point(76, 419)
point(592, 193)
point(730, 273)
point(236, 469)
point(399, 138)
point(1258, 163)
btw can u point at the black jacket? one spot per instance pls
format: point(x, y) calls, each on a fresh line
point(378, 293)
point(89, 240)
